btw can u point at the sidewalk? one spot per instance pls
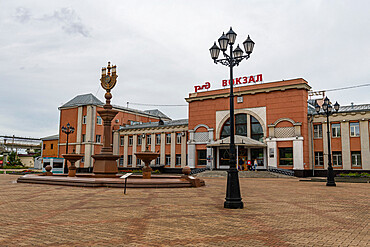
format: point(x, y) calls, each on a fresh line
point(278, 212)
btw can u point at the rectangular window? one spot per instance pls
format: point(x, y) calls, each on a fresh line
point(158, 160)
point(139, 140)
point(51, 146)
point(319, 159)
point(149, 139)
point(286, 156)
point(121, 161)
point(337, 158)
point(157, 139)
point(129, 160)
point(178, 159)
point(202, 157)
point(138, 162)
point(168, 138)
point(354, 129)
point(317, 131)
point(168, 160)
point(83, 159)
point(44, 146)
point(83, 138)
point(98, 120)
point(84, 119)
point(98, 139)
point(335, 130)
point(356, 158)
point(122, 141)
point(130, 140)
point(178, 138)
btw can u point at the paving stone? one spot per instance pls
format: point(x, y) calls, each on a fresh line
point(277, 212)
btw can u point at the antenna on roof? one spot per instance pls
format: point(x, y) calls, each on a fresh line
point(127, 103)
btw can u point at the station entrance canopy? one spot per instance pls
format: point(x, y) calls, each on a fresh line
point(239, 141)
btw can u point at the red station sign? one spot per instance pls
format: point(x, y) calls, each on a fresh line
point(236, 81)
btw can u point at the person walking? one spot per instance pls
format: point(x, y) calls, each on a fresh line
point(255, 164)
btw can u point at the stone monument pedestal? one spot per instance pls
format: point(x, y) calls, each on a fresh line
point(105, 165)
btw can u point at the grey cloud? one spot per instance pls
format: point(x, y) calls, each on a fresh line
point(22, 15)
point(71, 21)
point(66, 17)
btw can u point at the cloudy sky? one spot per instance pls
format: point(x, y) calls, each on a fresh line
point(51, 51)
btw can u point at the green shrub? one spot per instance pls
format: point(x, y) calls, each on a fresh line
point(355, 174)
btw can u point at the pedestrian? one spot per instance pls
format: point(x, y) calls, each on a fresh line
point(255, 164)
point(241, 163)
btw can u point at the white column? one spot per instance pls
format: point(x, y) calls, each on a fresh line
point(163, 148)
point(116, 142)
point(325, 145)
point(365, 152)
point(173, 149)
point(152, 147)
point(272, 152)
point(125, 150)
point(346, 146)
point(298, 154)
point(134, 145)
point(90, 135)
point(78, 133)
point(183, 150)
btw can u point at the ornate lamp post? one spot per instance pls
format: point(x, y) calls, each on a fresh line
point(67, 130)
point(105, 164)
point(233, 198)
point(327, 111)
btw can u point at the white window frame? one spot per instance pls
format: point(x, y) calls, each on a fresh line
point(168, 160)
point(354, 128)
point(168, 138)
point(337, 156)
point(149, 139)
point(99, 120)
point(98, 138)
point(83, 137)
point(178, 138)
point(320, 157)
point(317, 132)
point(158, 139)
point(122, 141)
point(129, 160)
point(335, 130)
point(130, 140)
point(178, 159)
point(158, 160)
point(139, 140)
point(356, 157)
point(138, 162)
point(84, 119)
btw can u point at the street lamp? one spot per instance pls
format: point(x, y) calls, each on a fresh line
point(233, 198)
point(67, 130)
point(327, 111)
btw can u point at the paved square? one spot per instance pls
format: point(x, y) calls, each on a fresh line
point(278, 212)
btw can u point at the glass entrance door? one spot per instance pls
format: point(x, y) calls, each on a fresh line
point(257, 154)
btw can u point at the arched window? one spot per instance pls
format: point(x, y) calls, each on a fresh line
point(256, 130)
point(241, 127)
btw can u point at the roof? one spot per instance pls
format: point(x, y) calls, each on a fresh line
point(53, 137)
point(90, 99)
point(157, 113)
point(178, 122)
point(84, 99)
point(348, 108)
point(239, 141)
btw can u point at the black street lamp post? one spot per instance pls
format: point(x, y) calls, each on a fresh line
point(67, 130)
point(233, 198)
point(327, 111)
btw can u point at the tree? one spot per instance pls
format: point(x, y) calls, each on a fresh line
point(14, 160)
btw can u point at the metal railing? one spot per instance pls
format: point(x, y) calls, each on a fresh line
point(197, 170)
point(281, 171)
